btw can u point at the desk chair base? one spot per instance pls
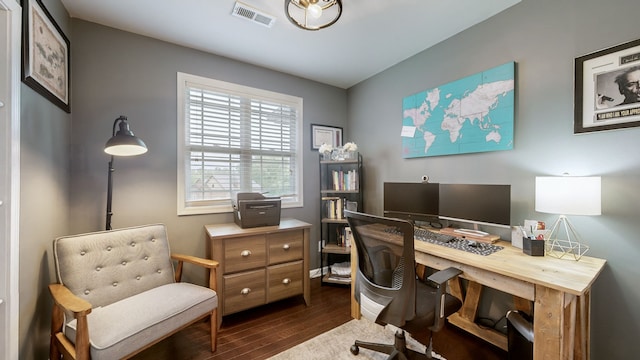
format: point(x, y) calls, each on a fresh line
point(397, 351)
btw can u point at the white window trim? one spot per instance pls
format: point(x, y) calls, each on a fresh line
point(183, 79)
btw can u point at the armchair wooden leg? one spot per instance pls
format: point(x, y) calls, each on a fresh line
point(54, 353)
point(57, 319)
point(213, 322)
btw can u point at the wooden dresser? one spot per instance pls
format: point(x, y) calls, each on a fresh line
point(260, 265)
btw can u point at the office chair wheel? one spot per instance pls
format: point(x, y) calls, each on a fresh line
point(355, 350)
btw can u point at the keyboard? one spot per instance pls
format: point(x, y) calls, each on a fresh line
point(431, 236)
point(450, 241)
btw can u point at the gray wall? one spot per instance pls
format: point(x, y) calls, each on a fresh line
point(116, 73)
point(44, 205)
point(543, 37)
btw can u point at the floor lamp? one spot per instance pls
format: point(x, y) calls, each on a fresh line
point(567, 195)
point(122, 143)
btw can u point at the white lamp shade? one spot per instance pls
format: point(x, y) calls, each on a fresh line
point(568, 195)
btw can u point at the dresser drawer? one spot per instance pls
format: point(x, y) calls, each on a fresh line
point(244, 253)
point(285, 246)
point(244, 290)
point(284, 280)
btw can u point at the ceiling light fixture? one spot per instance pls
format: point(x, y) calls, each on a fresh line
point(313, 14)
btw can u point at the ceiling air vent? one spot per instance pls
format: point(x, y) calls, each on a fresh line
point(247, 12)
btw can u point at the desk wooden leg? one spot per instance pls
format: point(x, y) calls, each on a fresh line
point(548, 324)
point(469, 310)
point(355, 307)
point(466, 316)
point(583, 326)
point(421, 271)
point(570, 328)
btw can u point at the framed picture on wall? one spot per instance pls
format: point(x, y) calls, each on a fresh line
point(607, 89)
point(45, 54)
point(322, 134)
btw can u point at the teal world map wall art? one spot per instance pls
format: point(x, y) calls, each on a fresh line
point(469, 115)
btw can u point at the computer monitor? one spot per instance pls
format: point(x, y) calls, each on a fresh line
point(411, 201)
point(476, 204)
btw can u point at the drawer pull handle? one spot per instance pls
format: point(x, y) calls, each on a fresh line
point(286, 246)
point(245, 253)
point(286, 281)
point(245, 291)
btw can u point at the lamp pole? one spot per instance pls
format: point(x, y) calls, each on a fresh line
point(121, 143)
point(109, 194)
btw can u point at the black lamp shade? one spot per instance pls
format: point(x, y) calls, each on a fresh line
point(124, 142)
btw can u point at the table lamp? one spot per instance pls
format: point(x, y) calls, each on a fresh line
point(567, 195)
point(122, 143)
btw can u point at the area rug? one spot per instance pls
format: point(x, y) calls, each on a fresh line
point(335, 343)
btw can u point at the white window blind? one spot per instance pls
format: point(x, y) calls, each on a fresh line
point(236, 139)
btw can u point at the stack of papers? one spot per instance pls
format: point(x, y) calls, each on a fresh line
point(342, 269)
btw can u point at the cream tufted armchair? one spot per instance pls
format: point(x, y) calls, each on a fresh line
point(118, 294)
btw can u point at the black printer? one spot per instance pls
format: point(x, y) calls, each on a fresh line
point(254, 210)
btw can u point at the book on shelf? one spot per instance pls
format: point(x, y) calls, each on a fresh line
point(345, 181)
point(332, 207)
point(348, 237)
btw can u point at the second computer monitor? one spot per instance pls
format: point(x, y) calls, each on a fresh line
point(476, 203)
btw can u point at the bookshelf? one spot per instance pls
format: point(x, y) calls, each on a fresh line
point(340, 189)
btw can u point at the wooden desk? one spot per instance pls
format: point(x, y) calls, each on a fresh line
point(260, 265)
point(557, 291)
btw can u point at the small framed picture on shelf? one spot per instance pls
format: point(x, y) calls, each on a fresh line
point(607, 89)
point(322, 134)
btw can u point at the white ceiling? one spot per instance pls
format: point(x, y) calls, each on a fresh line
point(371, 35)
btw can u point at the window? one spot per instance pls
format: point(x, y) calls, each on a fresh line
point(233, 138)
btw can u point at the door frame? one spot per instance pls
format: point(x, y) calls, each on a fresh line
point(11, 14)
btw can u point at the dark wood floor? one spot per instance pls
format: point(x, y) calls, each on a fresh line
point(268, 330)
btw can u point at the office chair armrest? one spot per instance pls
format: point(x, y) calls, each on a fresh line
point(524, 327)
point(441, 277)
point(437, 280)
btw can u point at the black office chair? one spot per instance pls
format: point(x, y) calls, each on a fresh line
point(387, 289)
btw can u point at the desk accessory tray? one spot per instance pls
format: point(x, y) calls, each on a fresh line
point(489, 238)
